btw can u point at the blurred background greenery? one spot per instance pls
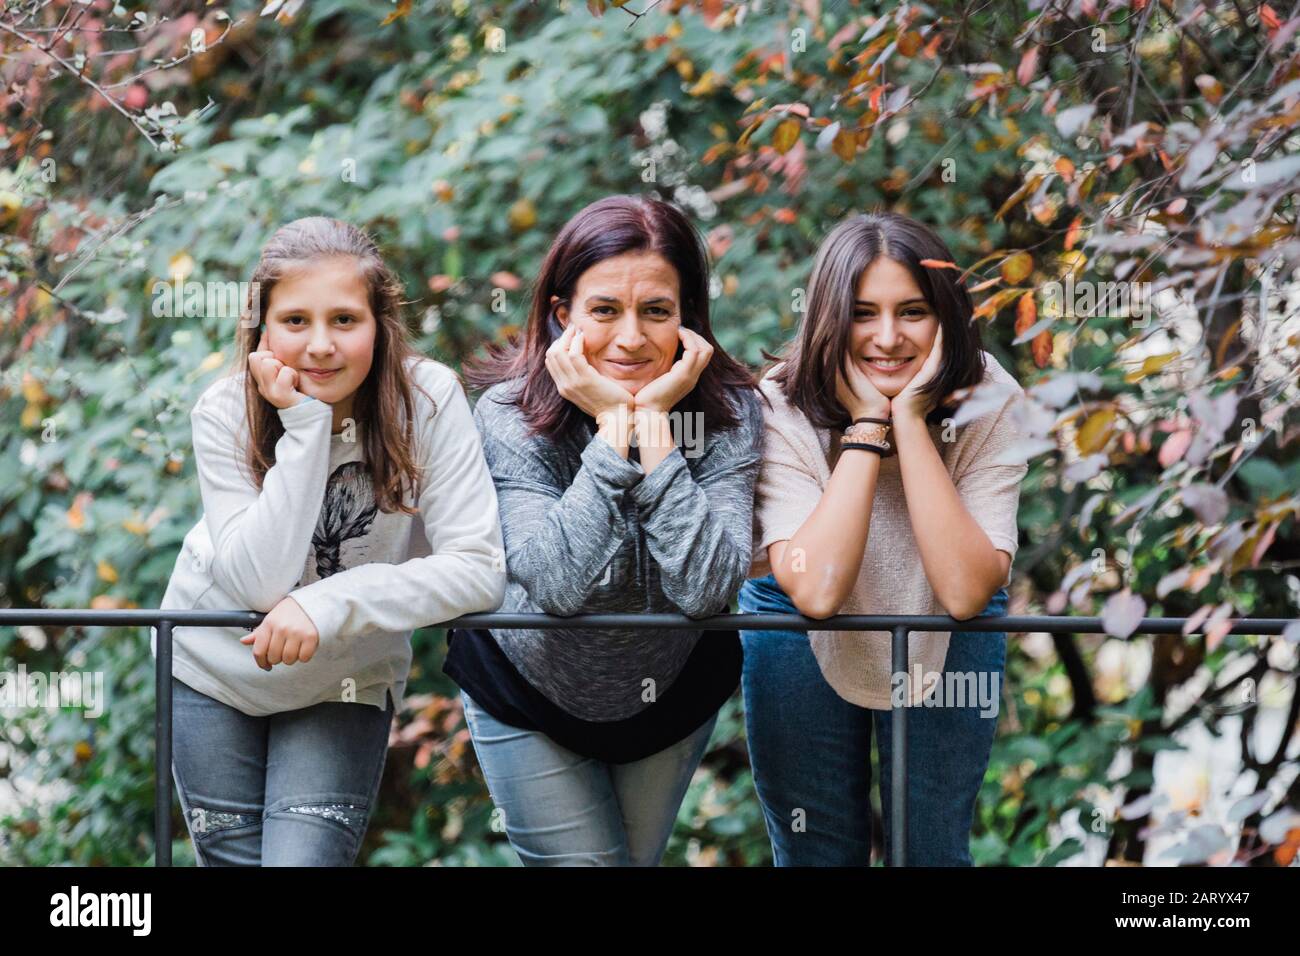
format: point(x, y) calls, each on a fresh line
point(1107, 142)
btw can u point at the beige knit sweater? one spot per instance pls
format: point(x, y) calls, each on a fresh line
point(797, 463)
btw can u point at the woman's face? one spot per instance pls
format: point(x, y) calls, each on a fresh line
point(319, 322)
point(627, 309)
point(893, 326)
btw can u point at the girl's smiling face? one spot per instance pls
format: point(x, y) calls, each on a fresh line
point(319, 322)
point(893, 326)
point(627, 308)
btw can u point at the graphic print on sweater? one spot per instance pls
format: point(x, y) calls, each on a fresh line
point(348, 512)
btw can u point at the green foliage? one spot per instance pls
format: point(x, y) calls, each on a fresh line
point(463, 135)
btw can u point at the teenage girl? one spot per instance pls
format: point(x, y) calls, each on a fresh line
point(345, 494)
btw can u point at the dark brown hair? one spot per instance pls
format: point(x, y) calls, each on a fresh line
point(819, 349)
point(384, 404)
point(610, 227)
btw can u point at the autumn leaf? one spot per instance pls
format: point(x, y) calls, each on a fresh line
point(940, 264)
point(1072, 233)
point(1026, 314)
point(786, 135)
point(1175, 447)
point(522, 215)
point(77, 511)
point(1151, 365)
point(403, 9)
point(1017, 268)
point(1030, 185)
point(909, 43)
point(1028, 66)
point(1095, 431)
point(1042, 348)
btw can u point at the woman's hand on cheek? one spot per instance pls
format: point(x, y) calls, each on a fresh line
point(911, 401)
point(663, 393)
point(578, 382)
point(285, 636)
point(856, 393)
point(277, 382)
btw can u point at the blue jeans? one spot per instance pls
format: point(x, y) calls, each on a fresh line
point(562, 809)
point(811, 749)
point(289, 789)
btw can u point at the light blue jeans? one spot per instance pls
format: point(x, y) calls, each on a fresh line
point(290, 789)
point(562, 809)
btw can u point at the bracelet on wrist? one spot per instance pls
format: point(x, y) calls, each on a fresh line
point(882, 451)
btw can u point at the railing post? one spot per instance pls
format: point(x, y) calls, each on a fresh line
point(898, 763)
point(162, 728)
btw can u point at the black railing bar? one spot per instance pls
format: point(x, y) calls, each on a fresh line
point(1061, 624)
point(898, 758)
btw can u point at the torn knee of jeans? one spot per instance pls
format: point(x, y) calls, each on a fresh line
point(203, 820)
point(349, 814)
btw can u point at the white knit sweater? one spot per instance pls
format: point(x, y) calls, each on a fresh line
point(365, 578)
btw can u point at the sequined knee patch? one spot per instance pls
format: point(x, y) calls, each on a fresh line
point(349, 814)
point(203, 820)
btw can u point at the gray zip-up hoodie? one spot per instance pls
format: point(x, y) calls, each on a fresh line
point(588, 531)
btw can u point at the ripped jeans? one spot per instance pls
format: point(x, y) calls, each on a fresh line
point(289, 789)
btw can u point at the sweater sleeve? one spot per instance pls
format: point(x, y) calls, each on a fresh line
point(989, 488)
point(464, 573)
point(787, 491)
point(558, 539)
point(699, 529)
point(261, 538)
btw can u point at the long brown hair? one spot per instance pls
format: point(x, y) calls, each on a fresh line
point(384, 404)
point(606, 228)
point(814, 357)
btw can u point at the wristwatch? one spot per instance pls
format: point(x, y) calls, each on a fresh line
point(869, 434)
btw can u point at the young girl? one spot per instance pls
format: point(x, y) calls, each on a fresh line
point(344, 493)
point(871, 501)
point(588, 737)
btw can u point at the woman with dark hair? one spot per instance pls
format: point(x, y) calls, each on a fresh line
point(873, 500)
point(624, 444)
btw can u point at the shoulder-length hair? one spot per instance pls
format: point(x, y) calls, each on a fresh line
point(384, 405)
point(819, 349)
point(610, 227)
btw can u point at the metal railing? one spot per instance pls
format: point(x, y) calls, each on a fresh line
point(900, 626)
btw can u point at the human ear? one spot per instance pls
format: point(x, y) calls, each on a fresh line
point(561, 311)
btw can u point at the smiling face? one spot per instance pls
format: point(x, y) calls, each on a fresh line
point(319, 322)
point(627, 308)
point(893, 326)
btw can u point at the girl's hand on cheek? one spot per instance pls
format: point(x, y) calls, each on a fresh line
point(911, 401)
point(285, 636)
point(663, 393)
point(277, 382)
point(857, 394)
point(578, 382)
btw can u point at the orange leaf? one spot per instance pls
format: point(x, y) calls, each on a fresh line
point(909, 43)
point(1026, 314)
point(940, 264)
point(1042, 346)
point(1072, 233)
point(1065, 168)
